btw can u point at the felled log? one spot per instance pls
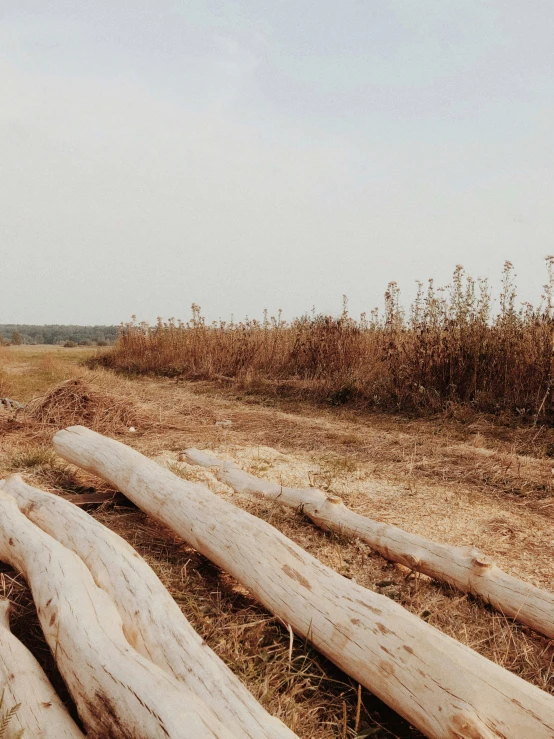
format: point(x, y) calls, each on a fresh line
point(441, 686)
point(464, 568)
point(41, 714)
point(119, 694)
point(152, 621)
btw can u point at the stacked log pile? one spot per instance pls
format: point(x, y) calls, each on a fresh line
point(152, 622)
point(135, 667)
point(117, 691)
point(439, 685)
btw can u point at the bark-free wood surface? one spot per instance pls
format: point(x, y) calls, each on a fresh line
point(41, 713)
point(464, 568)
point(152, 621)
point(444, 688)
point(119, 694)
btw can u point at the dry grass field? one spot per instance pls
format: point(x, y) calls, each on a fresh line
point(453, 348)
point(463, 481)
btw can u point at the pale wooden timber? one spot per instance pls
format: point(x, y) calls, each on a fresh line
point(441, 686)
point(119, 693)
point(41, 714)
point(152, 621)
point(464, 568)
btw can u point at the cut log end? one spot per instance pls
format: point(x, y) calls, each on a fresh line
point(5, 609)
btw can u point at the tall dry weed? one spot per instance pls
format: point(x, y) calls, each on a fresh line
point(447, 349)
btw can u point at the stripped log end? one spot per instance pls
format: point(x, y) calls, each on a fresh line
point(5, 609)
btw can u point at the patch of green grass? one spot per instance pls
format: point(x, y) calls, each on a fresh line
point(31, 458)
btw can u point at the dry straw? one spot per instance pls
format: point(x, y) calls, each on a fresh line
point(448, 349)
point(75, 402)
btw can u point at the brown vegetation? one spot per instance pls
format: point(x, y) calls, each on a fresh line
point(75, 402)
point(447, 350)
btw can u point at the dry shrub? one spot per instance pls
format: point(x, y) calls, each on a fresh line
point(74, 402)
point(449, 350)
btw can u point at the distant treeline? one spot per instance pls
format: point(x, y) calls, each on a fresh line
point(55, 334)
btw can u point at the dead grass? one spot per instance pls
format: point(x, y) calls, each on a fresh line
point(448, 352)
point(75, 402)
point(7, 714)
point(443, 478)
point(28, 371)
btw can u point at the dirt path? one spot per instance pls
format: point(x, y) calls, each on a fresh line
point(455, 493)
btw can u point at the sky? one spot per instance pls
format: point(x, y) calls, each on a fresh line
point(251, 154)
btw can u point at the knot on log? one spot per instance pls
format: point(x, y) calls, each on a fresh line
point(480, 562)
point(470, 727)
point(334, 500)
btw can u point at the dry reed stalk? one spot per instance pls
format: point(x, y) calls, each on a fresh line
point(447, 350)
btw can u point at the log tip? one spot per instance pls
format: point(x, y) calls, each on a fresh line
point(77, 429)
point(5, 609)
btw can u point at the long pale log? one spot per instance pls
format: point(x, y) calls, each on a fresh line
point(41, 714)
point(464, 568)
point(441, 686)
point(119, 693)
point(152, 621)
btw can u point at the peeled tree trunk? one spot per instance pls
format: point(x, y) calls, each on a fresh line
point(119, 694)
point(41, 714)
point(153, 623)
point(464, 568)
point(441, 686)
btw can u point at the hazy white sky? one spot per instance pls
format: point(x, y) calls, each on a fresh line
point(245, 154)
